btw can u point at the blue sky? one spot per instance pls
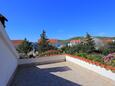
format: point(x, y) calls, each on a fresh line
point(61, 19)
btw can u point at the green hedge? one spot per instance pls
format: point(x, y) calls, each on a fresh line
point(93, 57)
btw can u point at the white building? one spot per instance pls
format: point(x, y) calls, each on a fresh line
point(98, 43)
point(74, 42)
point(8, 55)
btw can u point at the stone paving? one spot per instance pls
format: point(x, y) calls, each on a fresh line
point(59, 74)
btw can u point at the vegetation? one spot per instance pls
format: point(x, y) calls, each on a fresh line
point(108, 48)
point(89, 44)
point(93, 57)
point(25, 47)
point(50, 52)
point(75, 38)
point(110, 59)
point(81, 38)
point(44, 44)
point(111, 47)
point(105, 51)
point(85, 49)
point(86, 46)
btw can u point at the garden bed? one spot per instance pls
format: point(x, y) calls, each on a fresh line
point(97, 63)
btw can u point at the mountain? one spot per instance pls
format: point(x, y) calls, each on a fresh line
point(81, 37)
point(75, 38)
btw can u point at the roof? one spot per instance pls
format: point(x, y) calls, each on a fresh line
point(75, 41)
point(52, 41)
point(107, 40)
point(17, 42)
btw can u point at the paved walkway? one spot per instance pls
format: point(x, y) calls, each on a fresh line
point(59, 74)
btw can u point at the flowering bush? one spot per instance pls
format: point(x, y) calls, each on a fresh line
point(109, 57)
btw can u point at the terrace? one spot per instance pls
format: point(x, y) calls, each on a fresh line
point(57, 72)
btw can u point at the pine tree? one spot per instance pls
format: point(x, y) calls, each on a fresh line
point(43, 42)
point(25, 47)
point(89, 43)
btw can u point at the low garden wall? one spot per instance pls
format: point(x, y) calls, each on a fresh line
point(99, 68)
point(42, 60)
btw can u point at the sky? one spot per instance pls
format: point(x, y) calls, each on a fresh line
point(61, 19)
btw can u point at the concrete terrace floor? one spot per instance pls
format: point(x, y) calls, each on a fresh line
point(59, 74)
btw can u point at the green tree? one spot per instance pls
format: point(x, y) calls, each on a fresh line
point(88, 44)
point(25, 47)
point(44, 44)
point(111, 47)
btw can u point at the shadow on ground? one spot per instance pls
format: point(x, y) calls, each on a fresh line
point(34, 76)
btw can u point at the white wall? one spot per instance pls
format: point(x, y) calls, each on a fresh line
point(97, 69)
point(8, 57)
point(42, 60)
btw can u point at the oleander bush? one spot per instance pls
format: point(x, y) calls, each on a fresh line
point(109, 57)
point(108, 60)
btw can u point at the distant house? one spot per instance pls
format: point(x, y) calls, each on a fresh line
point(74, 42)
point(98, 43)
point(113, 40)
point(102, 42)
point(107, 40)
point(17, 42)
point(53, 42)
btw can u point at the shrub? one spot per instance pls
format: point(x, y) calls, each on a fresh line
point(70, 50)
point(113, 63)
point(93, 57)
point(109, 58)
point(88, 44)
point(50, 52)
point(82, 54)
point(105, 52)
point(44, 44)
point(64, 49)
point(111, 47)
point(97, 57)
point(25, 47)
